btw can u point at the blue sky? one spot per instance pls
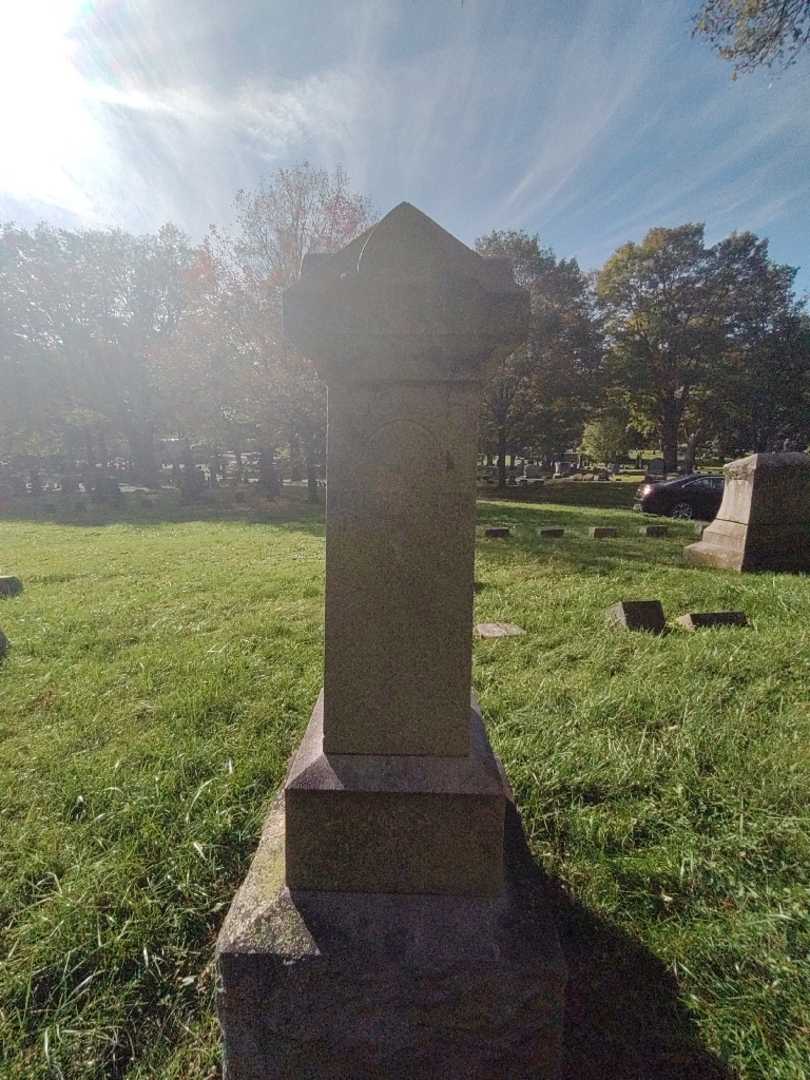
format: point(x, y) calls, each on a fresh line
point(587, 121)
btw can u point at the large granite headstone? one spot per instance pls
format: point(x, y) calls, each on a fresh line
point(388, 926)
point(764, 519)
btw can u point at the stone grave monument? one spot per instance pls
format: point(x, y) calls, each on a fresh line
point(390, 924)
point(764, 520)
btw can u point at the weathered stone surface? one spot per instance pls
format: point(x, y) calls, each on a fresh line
point(3, 644)
point(653, 530)
point(547, 532)
point(400, 545)
point(764, 519)
point(10, 586)
point(498, 629)
point(697, 620)
point(399, 324)
point(637, 615)
point(395, 823)
point(603, 532)
point(497, 532)
point(388, 987)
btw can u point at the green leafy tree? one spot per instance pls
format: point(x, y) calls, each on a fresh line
point(753, 33)
point(608, 437)
point(536, 398)
point(659, 301)
point(82, 312)
point(698, 334)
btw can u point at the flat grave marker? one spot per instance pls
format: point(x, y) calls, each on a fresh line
point(10, 586)
point(637, 615)
point(700, 620)
point(498, 630)
point(654, 530)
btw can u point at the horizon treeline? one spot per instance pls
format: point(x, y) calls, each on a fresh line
point(113, 345)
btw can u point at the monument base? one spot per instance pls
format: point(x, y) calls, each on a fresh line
point(730, 545)
point(373, 985)
point(395, 823)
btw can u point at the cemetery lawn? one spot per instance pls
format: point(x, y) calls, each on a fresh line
point(161, 673)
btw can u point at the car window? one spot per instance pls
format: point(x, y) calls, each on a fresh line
point(704, 482)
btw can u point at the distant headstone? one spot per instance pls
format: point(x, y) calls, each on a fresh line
point(637, 615)
point(383, 928)
point(3, 644)
point(653, 530)
point(603, 532)
point(498, 532)
point(764, 519)
point(498, 629)
point(698, 620)
point(547, 532)
point(10, 586)
point(656, 467)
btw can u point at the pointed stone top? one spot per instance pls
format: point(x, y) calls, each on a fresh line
point(406, 241)
point(406, 301)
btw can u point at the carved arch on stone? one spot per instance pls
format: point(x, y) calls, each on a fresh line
point(403, 449)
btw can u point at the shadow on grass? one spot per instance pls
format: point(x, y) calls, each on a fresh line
point(613, 494)
point(288, 511)
point(623, 1016)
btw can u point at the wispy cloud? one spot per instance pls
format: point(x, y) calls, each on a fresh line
point(587, 121)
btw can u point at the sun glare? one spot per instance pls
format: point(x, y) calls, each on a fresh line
point(50, 138)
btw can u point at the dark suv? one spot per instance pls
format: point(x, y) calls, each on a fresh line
point(692, 496)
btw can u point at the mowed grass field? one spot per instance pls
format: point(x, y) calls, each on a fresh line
point(161, 674)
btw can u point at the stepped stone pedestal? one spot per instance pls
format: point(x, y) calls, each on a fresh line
point(764, 519)
point(390, 924)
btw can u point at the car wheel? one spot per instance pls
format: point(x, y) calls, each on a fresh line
point(682, 510)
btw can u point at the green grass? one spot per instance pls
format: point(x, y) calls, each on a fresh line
point(162, 672)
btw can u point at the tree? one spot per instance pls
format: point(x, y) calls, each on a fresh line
point(608, 437)
point(662, 325)
point(695, 330)
point(82, 311)
point(752, 33)
point(535, 398)
point(292, 212)
point(34, 396)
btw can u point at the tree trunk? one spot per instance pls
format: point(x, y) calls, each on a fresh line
point(312, 478)
point(312, 483)
point(89, 449)
point(691, 453)
point(142, 452)
point(501, 459)
point(213, 472)
point(295, 457)
point(237, 475)
point(669, 440)
point(268, 475)
point(103, 451)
